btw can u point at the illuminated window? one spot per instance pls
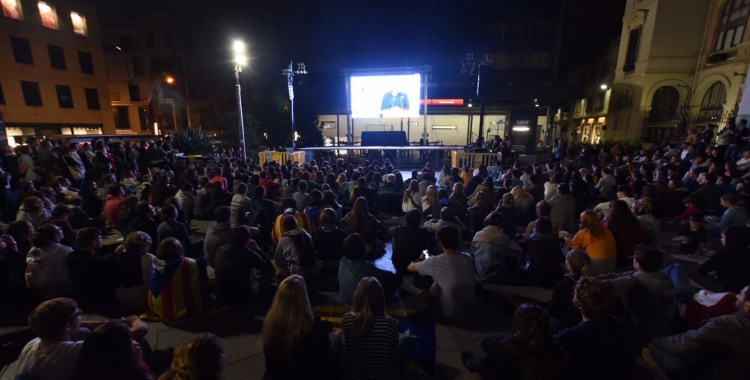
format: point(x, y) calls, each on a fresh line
point(48, 15)
point(79, 23)
point(12, 9)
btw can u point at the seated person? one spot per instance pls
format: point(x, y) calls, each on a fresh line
point(495, 253)
point(199, 358)
point(46, 270)
point(295, 253)
point(599, 344)
point(354, 267)
point(241, 269)
point(143, 221)
point(389, 196)
point(694, 236)
point(410, 240)
point(543, 256)
point(718, 348)
point(218, 233)
point(597, 241)
point(447, 218)
point(733, 216)
point(562, 312)
point(327, 238)
point(477, 213)
point(53, 353)
point(452, 272)
point(93, 277)
point(175, 283)
point(133, 263)
point(289, 206)
point(528, 353)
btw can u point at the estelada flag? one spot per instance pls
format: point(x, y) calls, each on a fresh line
point(174, 290)
point(410, 323)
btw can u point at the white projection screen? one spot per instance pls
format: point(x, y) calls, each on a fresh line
point(384, 96)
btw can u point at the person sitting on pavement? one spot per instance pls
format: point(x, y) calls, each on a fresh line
point(529, 352)
point(109, 352)
point(599, 344)
point(46, 268)
point(731, 264)
point(93, 277)
point(240, 205)
point(563, 314)
point(327, 238)
point(477, 214)
point(175, 283)
point(452, 273)
point(733, 216)
point(59, 328)
point(292, 253)
point(494, 252)
point(409, 240)
point(718, 349)
point(200, 358)
point(289, 206)
point(543, 258)
point(242, 269)
point(597, 241)
point(447, 218)
point(625, 228)
point(218, 233)
point(354, 266)
point(563, 208)
point(314, 207)
point(143, 221)
point(650, 224)
point(133, 263)
point(359, 220)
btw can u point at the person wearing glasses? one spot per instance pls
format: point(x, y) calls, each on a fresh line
point(59, 326)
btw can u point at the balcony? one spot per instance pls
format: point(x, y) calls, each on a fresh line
point(721, 56)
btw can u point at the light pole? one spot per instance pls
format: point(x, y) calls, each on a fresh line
point(472, 67)
point(240, 60)
point(290, 72)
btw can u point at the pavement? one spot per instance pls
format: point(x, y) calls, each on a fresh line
point(492, 314)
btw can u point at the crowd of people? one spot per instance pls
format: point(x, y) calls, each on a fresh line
point(277, 231)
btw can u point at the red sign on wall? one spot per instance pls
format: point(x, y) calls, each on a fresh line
point(443, 102)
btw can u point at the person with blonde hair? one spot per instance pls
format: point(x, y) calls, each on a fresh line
point(359, 220)
point(642, 209)
point(430, 202)
point(295, 341)
point(412, 198)
point(371, 343)
point(597, 241)
point(524, 203)
point(201, 358)
point(563, 314)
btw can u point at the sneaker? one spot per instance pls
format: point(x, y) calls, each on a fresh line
point(646, 355)
point(465, 357)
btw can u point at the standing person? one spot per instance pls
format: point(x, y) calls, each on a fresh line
point(75, 165)
point(453, 273)
point(295, 341)
point(723, 139)
point(597, 241)
point(372, 349)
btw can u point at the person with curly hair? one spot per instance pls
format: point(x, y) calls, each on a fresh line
point(201, 358)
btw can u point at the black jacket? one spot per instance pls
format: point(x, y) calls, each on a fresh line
point(233, 265)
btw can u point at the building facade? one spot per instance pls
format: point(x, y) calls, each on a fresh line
point(681, 65)
point(52, 72)
point(151, 66)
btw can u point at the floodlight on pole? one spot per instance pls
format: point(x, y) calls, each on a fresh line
point(240, 60)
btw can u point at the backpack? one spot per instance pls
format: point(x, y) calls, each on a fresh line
point(305, 250)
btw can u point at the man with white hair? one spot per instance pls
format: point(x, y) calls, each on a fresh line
point(389, 196)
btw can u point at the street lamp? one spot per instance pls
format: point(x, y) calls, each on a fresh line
point(290, 72)
point(240, 60)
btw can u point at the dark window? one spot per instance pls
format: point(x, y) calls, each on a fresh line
point(137, 66)
point(150, 39)
point(162, 65)
point(733, 21)
point(92, 98)
point(631, 57)
point(122, 119)
point(143, 118)
point(31, 94)
point(135, 92)
point(713, 102)
point(64, 98)
point(168, 92)
point(126, 42)
point(87, 63)
point(22, 50)
point(2, 96)
point(168, 39)
point(56, 57)
point(664, 104)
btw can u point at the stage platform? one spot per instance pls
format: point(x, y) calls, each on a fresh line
point(400, 155)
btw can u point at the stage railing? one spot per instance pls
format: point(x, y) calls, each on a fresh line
point(281, 157)
point(460, 159)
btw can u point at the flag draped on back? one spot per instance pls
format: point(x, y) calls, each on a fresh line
point(278, 229)
point(174, 291)
point(410, 323)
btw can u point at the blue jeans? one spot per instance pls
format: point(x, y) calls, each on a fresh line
point(684, 292)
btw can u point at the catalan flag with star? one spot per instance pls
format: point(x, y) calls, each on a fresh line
point(174, 290)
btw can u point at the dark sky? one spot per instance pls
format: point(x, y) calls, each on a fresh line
point(329, 35)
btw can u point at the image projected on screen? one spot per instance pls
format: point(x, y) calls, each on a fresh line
point(384, 96)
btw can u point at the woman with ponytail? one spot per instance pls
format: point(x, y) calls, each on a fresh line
point(201, 358)
point(370, 337)
point(562, 312)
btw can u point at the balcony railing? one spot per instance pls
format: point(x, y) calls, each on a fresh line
point(721, 56)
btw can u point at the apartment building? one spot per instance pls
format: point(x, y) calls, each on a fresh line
point(52, 73)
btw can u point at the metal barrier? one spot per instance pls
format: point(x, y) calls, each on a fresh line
point(299, 156)
point(269, 156)
point(526, 160)
point(473, 160)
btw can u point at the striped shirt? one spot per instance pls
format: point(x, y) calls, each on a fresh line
point(375, 356)
point(240, 205)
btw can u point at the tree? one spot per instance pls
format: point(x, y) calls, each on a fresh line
point(230, 131)
point(192, 140)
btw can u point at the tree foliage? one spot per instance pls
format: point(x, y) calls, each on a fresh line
point(230, 130)
point(192, 140)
